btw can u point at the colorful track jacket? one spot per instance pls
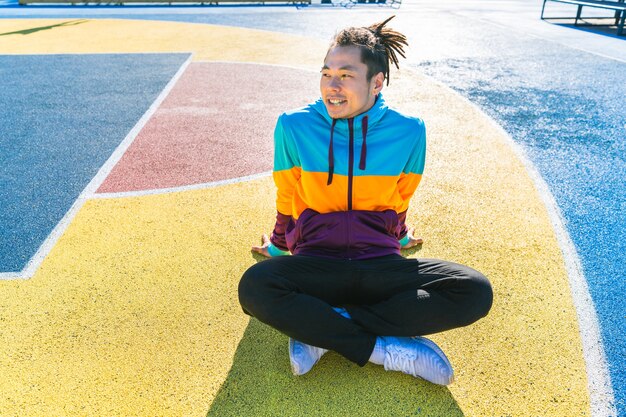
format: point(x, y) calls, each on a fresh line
point(344, 185)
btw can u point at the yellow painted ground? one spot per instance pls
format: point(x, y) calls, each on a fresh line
point(207, 42)
point(134, 312)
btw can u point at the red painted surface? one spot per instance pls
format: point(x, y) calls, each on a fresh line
point(216, 123)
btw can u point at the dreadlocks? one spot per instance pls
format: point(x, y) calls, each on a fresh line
point(379, 45)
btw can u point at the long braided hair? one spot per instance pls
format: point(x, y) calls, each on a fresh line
point(379, 46)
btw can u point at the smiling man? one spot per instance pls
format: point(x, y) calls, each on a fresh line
point(346, 167)
point(346, 89)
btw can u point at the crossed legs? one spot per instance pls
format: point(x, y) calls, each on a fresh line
point(387, 296)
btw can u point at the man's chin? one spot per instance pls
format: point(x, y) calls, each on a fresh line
point(333, 113)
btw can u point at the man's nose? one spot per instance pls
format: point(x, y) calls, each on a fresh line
point(334, 83)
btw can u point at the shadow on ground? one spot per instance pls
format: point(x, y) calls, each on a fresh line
point(602, 27)
point(40, 28)
point(261, 384)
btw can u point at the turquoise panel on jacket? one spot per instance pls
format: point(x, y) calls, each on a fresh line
point(392, 145)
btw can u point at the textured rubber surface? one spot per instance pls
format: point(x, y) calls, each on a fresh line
point(572, 125)
point(212, 120)
point(134, 312)
point(63, 124)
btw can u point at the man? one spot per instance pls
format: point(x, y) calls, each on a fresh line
point(346, 167)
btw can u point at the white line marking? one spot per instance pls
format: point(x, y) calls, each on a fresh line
point(182, 188)
point(105, 170)
point(200, 186)
point(601, 393)
point(599, 384)
point(94, 184)
point(598, 377)
point(560, 41)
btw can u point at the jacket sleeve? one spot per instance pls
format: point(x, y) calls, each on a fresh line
point(286, 175)
point(411, 177)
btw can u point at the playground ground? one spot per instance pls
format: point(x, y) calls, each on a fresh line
point(135, 158)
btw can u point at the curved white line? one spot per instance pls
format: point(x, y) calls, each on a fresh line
point(601, 393)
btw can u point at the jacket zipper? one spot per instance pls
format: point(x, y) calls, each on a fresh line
point(350, 179)
point(350, 162)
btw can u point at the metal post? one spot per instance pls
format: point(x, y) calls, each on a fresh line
point(618, 13)
point(580, 9)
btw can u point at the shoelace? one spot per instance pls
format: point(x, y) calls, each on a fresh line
point(399, 358)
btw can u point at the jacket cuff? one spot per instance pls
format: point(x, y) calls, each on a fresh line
point(274, 251)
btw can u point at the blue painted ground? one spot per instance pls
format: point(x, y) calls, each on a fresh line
point(59, 129)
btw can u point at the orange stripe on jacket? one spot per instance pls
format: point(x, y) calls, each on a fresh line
point(376, 193)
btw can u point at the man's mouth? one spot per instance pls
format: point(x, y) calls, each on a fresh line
point(336, 101)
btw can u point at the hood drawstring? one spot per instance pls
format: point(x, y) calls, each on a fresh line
point(364, 146)
point(331, 159)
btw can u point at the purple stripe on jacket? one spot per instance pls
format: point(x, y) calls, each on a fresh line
point(359, 235)
point(353, 234)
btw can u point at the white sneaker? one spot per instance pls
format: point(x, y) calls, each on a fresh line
point(303, 356)
point(419, 357)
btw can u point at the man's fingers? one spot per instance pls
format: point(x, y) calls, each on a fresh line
point(262, 249)
point(414, 239)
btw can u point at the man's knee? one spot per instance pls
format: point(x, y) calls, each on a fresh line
point(258, 286)
point(481, 296)
point(251, 289)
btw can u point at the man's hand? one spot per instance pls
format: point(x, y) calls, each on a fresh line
point(263, 249)
point(413, 241)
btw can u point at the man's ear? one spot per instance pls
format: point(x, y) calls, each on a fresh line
point(379, 81)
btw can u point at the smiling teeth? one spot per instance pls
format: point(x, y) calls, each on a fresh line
point(335, 101)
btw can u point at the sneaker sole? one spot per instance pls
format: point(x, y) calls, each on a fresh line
point(442, 356)
point(294, 369)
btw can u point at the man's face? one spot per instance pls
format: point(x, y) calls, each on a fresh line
point(344, 86)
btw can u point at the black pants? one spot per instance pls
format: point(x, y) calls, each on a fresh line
point(386, 296)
